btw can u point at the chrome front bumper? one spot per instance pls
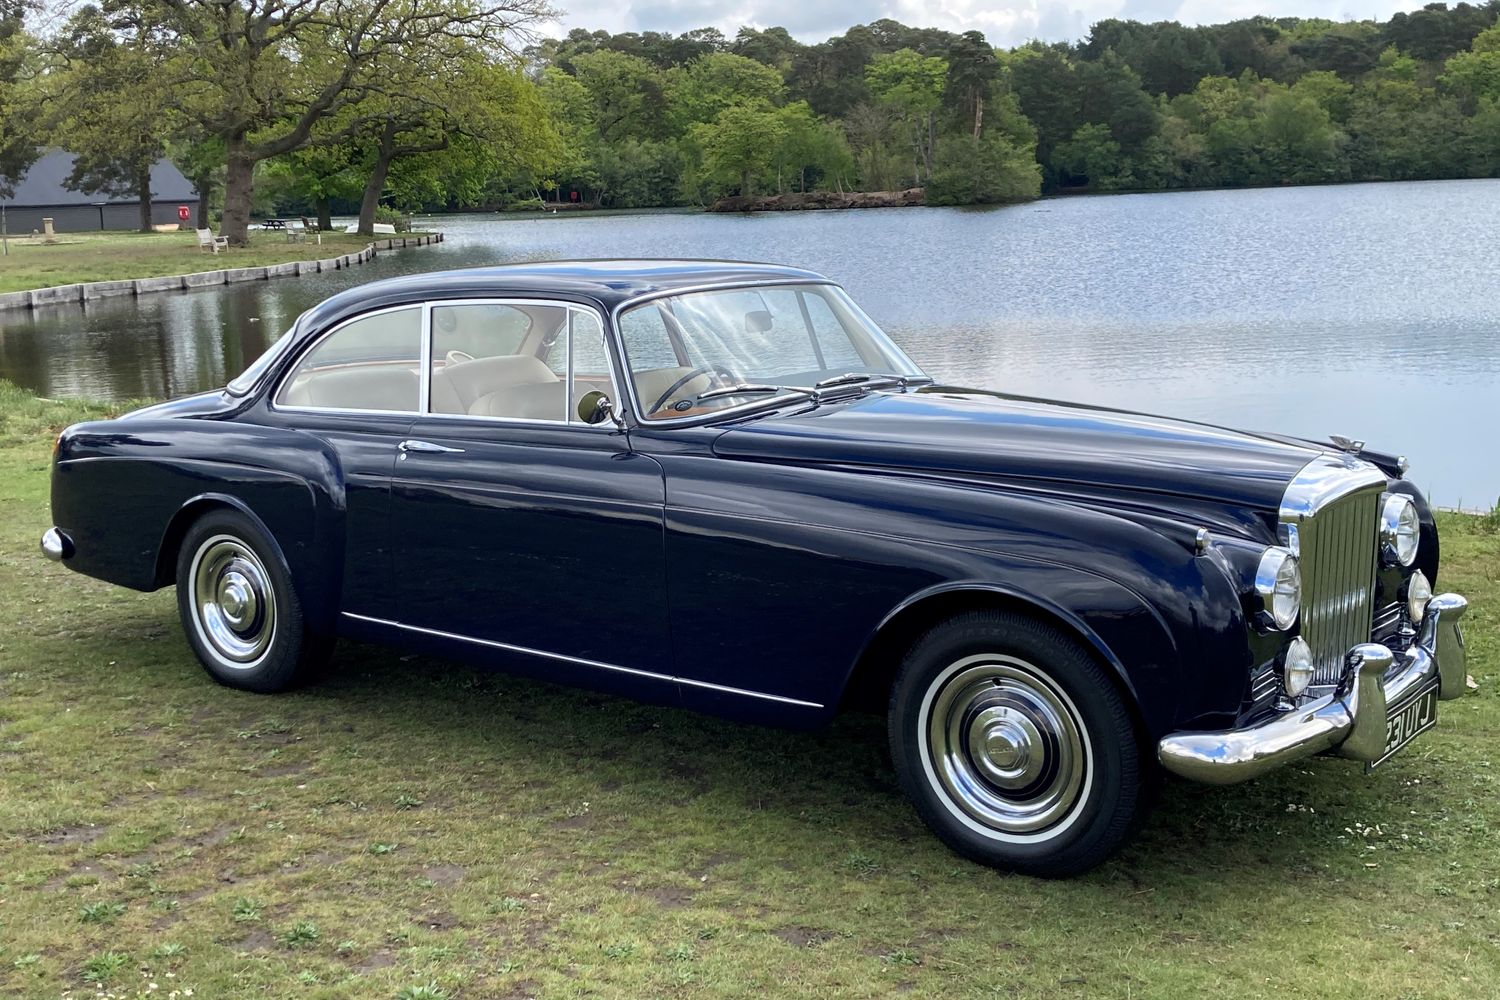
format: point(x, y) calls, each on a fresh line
point(1350, 720)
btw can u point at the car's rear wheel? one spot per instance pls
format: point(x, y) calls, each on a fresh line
point(1015, 746)
point(238, 607)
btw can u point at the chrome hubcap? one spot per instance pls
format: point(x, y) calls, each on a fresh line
point(234, 608)
point(1006, 746)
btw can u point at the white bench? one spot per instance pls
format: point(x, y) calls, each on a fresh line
point(208, 241)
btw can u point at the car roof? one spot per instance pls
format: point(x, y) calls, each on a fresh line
point(607, 283)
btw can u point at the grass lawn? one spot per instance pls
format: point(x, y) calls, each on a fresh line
point(118, 256)
point(413, 829)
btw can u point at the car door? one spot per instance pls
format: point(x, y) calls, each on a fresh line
point(356, 387)
point(516, 526)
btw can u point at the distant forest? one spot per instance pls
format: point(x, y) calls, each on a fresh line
point(652, 119)
point(323, 106)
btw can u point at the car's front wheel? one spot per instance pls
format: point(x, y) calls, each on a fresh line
point(1014, 745)
point(239, 609)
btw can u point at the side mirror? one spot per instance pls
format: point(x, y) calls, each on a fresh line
point(595, 408)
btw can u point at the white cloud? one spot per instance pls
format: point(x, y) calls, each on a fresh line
point(1004, 22)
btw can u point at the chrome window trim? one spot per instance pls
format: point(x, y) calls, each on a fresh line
point(597, 664)
point(286, 376)
point(424, 361)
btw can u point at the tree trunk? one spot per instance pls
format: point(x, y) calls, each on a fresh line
point(373, 187)
point(745, 183)
point(205, 187)
point(325, 213)
point(239, 185)
point(978, 114)
point(143, 190)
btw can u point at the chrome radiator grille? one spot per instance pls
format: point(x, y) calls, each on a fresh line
point(1338, 549)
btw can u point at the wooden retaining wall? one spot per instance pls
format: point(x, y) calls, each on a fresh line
point(92, 290)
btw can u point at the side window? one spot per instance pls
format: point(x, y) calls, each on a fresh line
point(479, 370)
point(839, 352)
point(370, 363)
point(582, 348)
point(478, 330)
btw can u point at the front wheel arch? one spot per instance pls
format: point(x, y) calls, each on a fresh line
point(869, 682)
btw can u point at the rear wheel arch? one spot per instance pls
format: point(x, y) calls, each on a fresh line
point(319, 613)
point(177, 528)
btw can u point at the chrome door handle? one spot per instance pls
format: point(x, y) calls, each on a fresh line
point(427, 448)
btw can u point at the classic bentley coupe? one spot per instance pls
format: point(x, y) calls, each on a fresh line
point(720, 485)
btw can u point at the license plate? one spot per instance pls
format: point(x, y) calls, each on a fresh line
point(1408, 720)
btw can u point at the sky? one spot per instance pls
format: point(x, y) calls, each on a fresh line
point(1004, 22)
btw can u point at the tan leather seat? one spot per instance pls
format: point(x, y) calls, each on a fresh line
point(379, 387)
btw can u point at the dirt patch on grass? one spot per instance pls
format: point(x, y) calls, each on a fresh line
point(438, 920)
point(669, 898)
point(256, 940)
point(375, 962)
point(74, 835)
point(802, 937)
point(444, 874)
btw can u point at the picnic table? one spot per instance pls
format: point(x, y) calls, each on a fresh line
point(283, 226)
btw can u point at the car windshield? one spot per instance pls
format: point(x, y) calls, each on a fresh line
point(701, 352)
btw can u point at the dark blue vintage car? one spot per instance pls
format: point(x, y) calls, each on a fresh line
point(719, 485)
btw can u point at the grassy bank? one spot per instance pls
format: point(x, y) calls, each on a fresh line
point(80, 257)
point(415, 829)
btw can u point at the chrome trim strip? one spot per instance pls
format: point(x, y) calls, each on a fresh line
point(597, 664)
point(1350, 720)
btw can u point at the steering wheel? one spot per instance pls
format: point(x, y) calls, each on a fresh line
point(711, 368)
point(458, 357)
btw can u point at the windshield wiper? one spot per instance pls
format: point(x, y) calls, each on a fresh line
point(748, 387)
point(854, 378)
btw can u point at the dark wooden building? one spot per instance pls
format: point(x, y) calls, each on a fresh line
point(43, 193)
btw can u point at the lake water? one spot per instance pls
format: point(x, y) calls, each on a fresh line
point(1366, 310)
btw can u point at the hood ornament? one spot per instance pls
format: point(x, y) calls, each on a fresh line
point(1349, 445)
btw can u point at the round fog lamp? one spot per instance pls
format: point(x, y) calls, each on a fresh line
point(1297, 668)
point(1418, 593)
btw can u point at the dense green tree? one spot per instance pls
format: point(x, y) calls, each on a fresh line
point(1110, 92)
point(740, 144)
point(699, 90)
point(911, 85)
point(1475, 75)
point(263, 76)
point(110, 97)
point(1046, 86)
point(628, 94)
point(19, 130)
point(810, 151)
point(1093, 157)
point(774, 47)
point(972, 70)
point(984, 170)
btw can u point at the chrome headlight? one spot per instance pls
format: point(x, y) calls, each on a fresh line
point(1418, 593)
point(1297, 668)
point(1278, 582)
point(1400, 529)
